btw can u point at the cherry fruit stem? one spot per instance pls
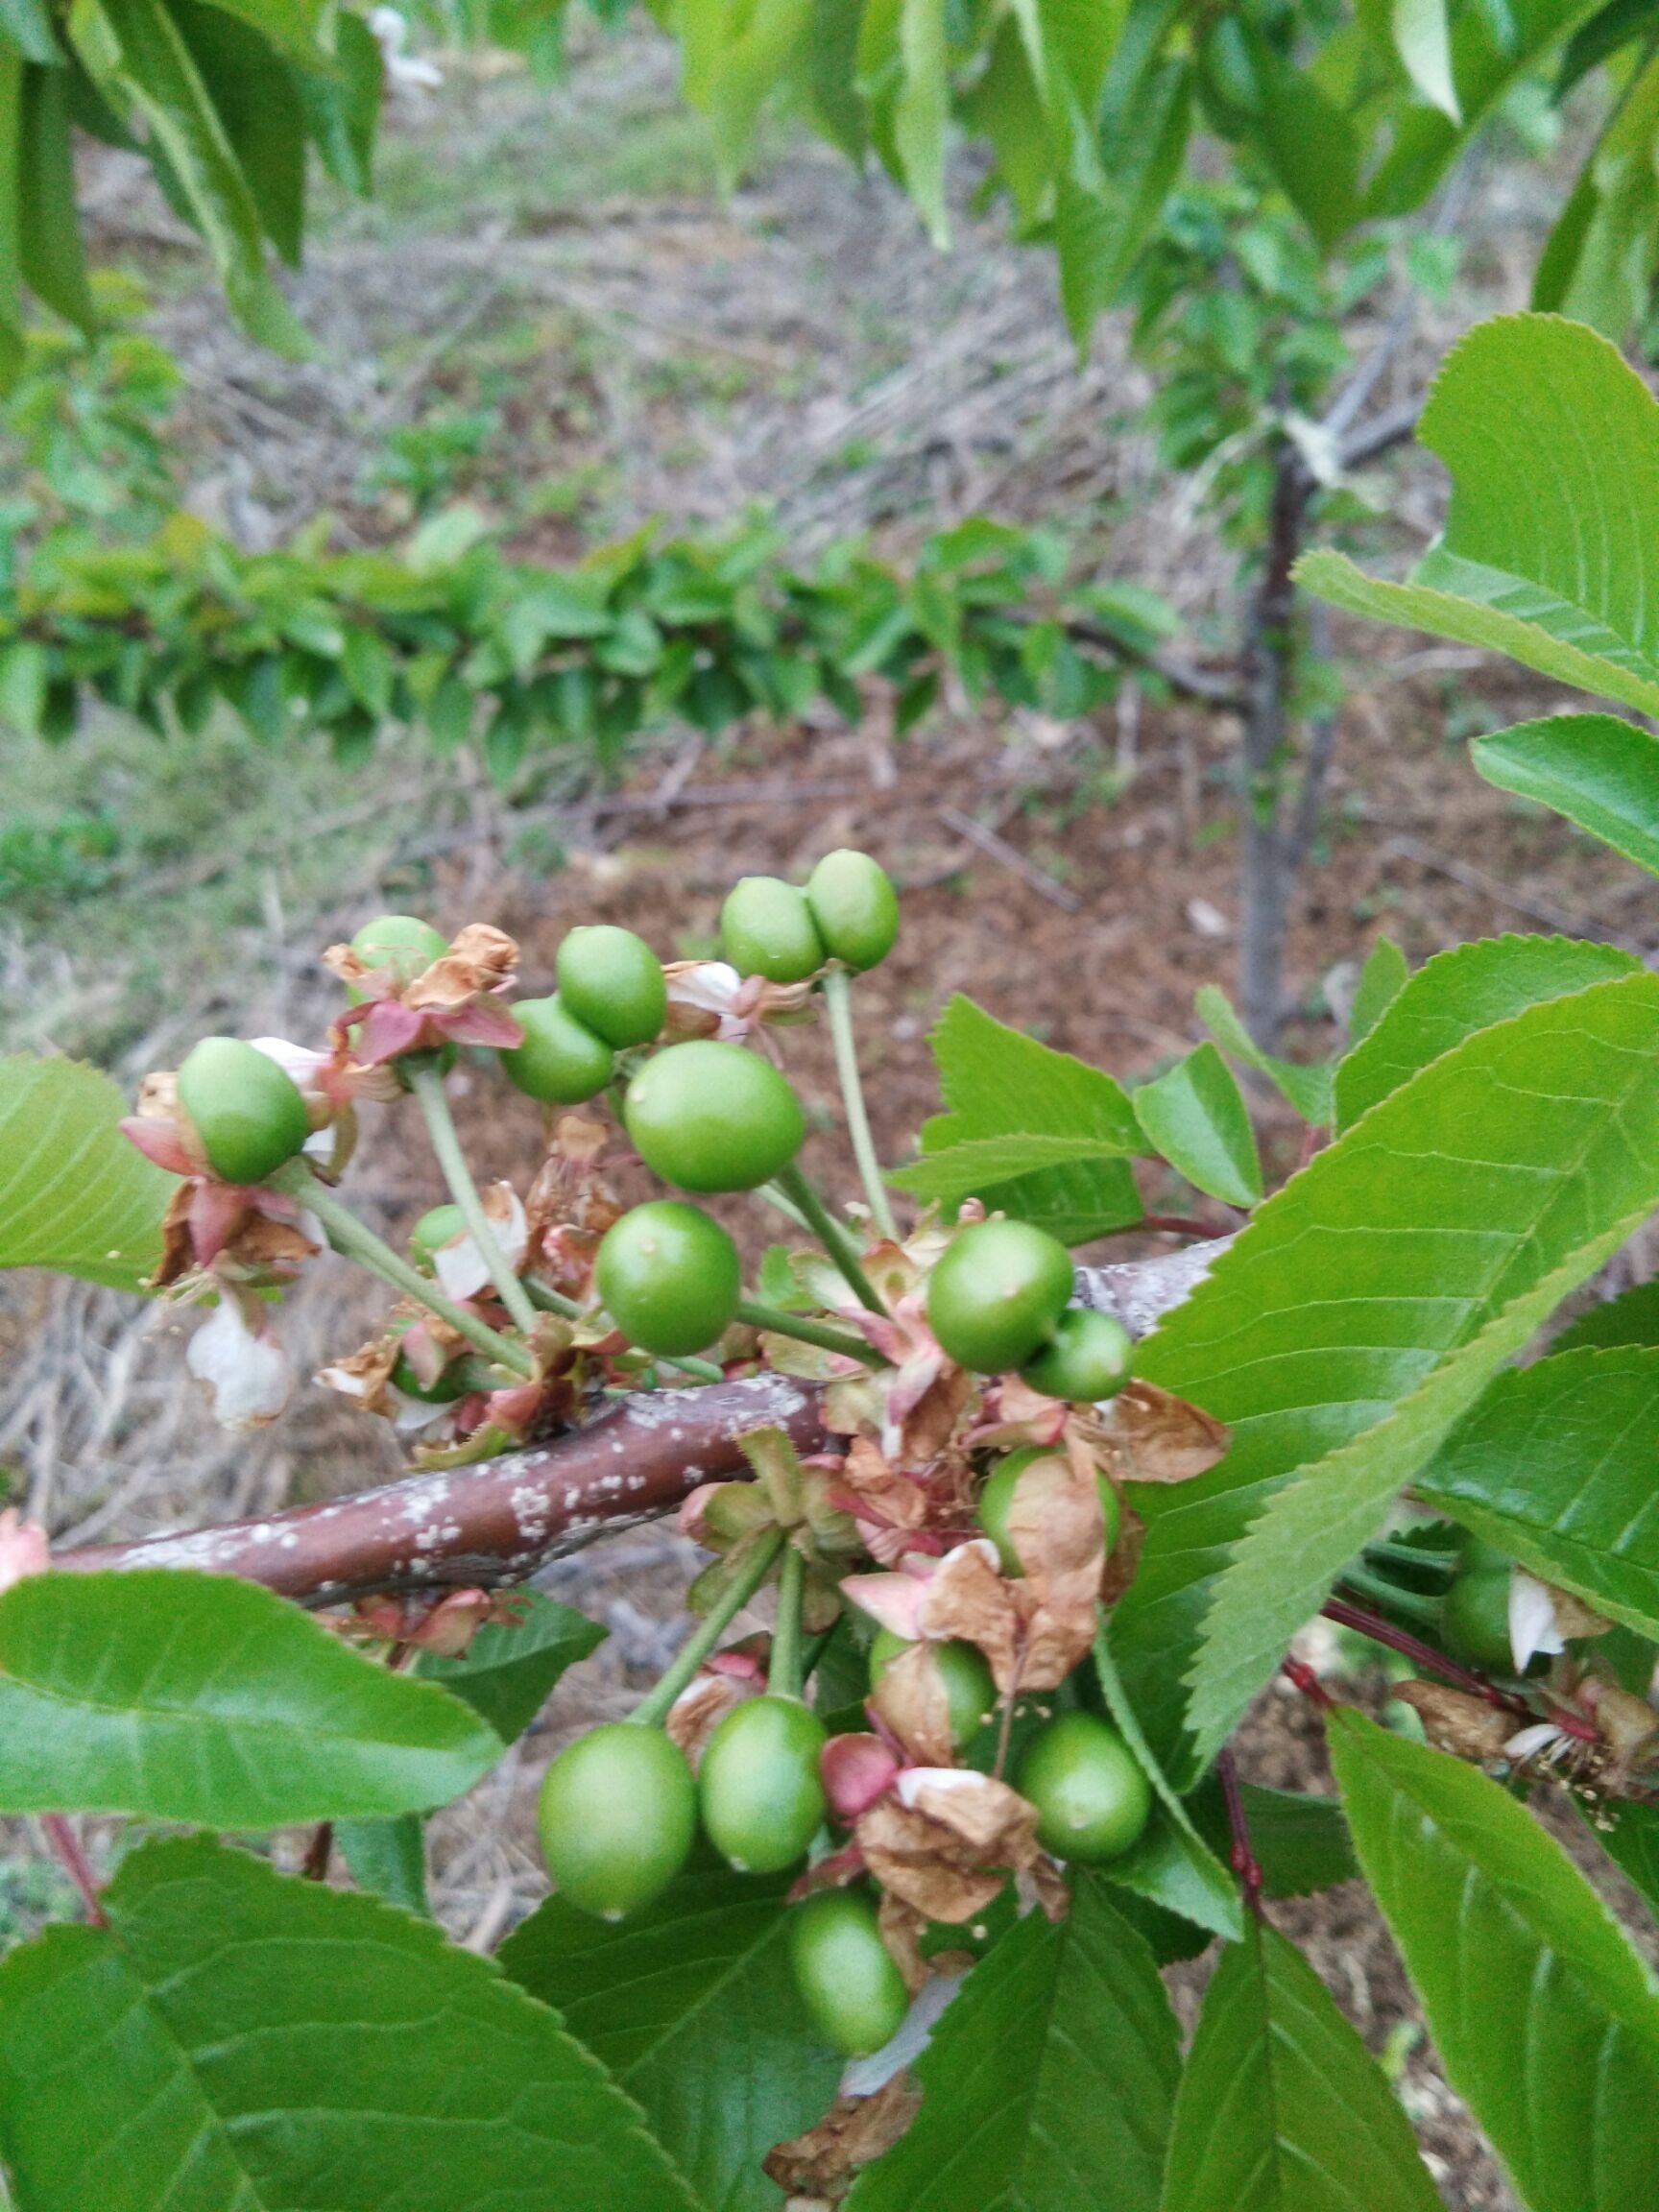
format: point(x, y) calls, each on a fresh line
point(830, 1234)
point(783, 1673)
point(64, 1840)
point(1245, 1863)
point(652, 1709)
point(556, 1302)
point(354, 1241)
point(808, 1332)
point(318, 1853)
point(1421, 1654)
point(427, 1081)
point(838, 998)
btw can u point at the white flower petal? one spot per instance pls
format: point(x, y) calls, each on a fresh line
point(460, 1268)
point(1532, 1624)
point(298, 1062)
point(249, 1374)
point(1538, 1737)
point(711, 986)
point(913, 1780)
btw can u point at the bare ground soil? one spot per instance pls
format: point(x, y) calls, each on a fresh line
point(665, 354)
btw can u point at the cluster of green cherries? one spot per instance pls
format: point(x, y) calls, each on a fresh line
point(621, 1808)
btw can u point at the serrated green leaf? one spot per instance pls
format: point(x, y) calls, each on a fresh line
point(1483, 1186)
point(1002, 1084)
point(1632, 1318)
point(1282, 2107)
point(1309, 144)
point(1601, 771)
point(257, 98)
point(684, 2001)
point(342, 105)
point(1628, 1832)
point(1547, 550)
point(1171, 1866)
point(1559, 2056)
point(196, 1696)
point(388, 1858)
point(1306, 1088)
point(1469, 988)
point(1196, 1117)
point(75, 1196)
point(1300, 1840)
point(239, 2041)
point(1382, 979)
point(977, 1163)
point(1559, 1465)
point(1049, 2080)
point(508, 1673)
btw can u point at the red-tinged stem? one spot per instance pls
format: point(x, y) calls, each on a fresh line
point(318, 1854)
point(1309, 1683)
point(1422, 1654)
point(1245, 1863)
point(66, 1842)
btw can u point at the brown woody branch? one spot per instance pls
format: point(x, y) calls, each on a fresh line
point(503, 1519)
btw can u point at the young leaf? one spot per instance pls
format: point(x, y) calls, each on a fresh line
point(187, 1696)
point(1601, 771)
point(508, 1673)
point(75, 1196)
point(922, 111)
point(684, 2001)
point(135, 51)
point(1558, 1466)
point(1300, 1840)
point(1003, 1086)
point(1544, 2019)
point(1382, 979)
point(1470, 987)
point(1548, 550)
point(1306, 1088)
point(1282, 2107)
point(50, 252)
point(388, 1858)
point(236, 2040)
point(1478, 1192)
point(1171, 1866)
point(1423, 39)
point(1196, 1117)
point(1049, 2080)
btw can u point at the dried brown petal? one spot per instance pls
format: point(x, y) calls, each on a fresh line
point(911, 1702)
point(1163, 1438)
point(968, 1597)
point(481, 958)
point(817, 2168)
point(701, 1707)
point(1124, 1556)
point(947, 1841)
point(902, 1929)
point(1454, 1721)
point(1056, 1527)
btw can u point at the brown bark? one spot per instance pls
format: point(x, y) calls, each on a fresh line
point(501, 1520)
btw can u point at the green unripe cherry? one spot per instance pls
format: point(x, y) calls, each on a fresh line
point(1092, 1798)
point(247, 1112)
point(611, 983)
point(1474, 1618)
point(618, 1815)
point(845, 1973)
point(402, 942)
point(439, 1226)
point(714, 1117)
point(1087, 1358)
point(768, 929)
point(856, 907)
point(670, 1277)
point(761, 1794)
point(997, 1496)
point(969, 1693)
point(997, 1293)
point(561, 1061)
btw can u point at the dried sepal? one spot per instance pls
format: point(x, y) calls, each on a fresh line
point(817, 2168)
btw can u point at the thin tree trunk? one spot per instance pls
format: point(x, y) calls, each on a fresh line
point(1270, 668)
